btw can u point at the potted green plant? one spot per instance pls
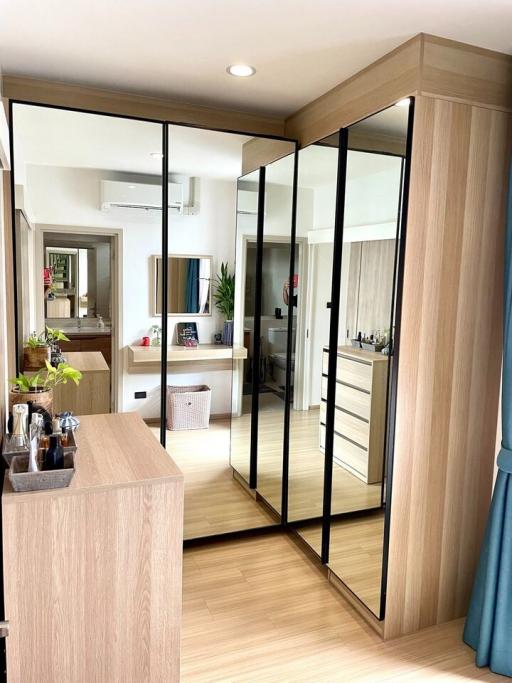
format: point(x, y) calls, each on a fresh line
point(39, 386)
point(224, 297)
point(36, 351)
point(39, 347)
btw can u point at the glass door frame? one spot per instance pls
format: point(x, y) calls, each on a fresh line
point(165, 223)
point(260, 237)
point(333, 343)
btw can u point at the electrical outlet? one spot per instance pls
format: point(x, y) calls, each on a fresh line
point(140, 394)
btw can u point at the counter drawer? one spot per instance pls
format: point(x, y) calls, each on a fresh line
point(348, 398)
point(348, 455)
point(349, 371)
point(352, 427)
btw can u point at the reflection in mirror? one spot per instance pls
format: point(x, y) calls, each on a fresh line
point(375, 161)
point(78, 201)
point(260, 383)
point(189, 285)
point(209, 397)
point(278, 300)
point(242, 383)
point(317, 178)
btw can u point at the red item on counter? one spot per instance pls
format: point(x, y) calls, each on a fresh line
point(145, 341)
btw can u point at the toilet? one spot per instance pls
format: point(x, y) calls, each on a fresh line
point(276, 337)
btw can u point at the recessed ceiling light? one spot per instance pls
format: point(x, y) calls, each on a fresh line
point(131, 187)
point(157, 155)
point(403, 103)
point(242, 70)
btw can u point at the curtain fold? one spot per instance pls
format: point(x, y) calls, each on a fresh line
point(488, 628)
point(192, 302)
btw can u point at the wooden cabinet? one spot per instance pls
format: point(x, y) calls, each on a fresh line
point(89, 342)
point(93, 576)
point(360, 411)
point(92, 396)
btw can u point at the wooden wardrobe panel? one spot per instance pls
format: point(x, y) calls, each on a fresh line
point(352, 293)
point(376, 285)
point(449, 373)
point(24, 88)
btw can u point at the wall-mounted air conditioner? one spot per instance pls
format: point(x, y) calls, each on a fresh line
point(123, 195)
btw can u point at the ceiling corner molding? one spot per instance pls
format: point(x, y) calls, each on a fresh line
point(424, 65)
point(98, 100)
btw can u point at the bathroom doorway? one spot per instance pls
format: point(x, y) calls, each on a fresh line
point(276, 292)
point(82, 301)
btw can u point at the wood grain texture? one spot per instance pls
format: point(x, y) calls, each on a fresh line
point(450, 350)
point(387, 80)
point(92, 396)
point(284, 622)
point(375, 287)
point(131, 104)
point(466, 73)
point(425, 65)
point(97, 590)
point(147, 357)
point(260, 152)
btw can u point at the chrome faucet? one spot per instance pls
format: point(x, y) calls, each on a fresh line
point(79, 323)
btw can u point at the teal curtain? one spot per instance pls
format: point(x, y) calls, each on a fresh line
point(488, 627)
point(192, 303)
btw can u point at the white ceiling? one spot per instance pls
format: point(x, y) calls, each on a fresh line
point(300, 48)
point(55, 137)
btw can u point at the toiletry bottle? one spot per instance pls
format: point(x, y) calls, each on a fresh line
point(36, 431)
point(54, 455)
point(19, 439)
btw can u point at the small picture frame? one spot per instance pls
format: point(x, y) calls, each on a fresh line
point(185, 332)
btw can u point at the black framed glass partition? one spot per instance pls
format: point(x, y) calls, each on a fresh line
point(87, 219)
point(316, 209)
point(265, 294)
point(358, 361)
point(299, 361)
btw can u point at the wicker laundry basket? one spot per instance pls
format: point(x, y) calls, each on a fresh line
point(188, 407)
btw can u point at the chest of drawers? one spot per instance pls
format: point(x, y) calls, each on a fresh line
point(360, 411)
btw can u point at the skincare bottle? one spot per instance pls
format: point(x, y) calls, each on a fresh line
point(36, 431)
point(54, 455)
point(19, 438)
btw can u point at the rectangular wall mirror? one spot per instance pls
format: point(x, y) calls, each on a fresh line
point(189, 285)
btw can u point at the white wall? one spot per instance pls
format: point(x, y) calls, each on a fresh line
point(64, 196)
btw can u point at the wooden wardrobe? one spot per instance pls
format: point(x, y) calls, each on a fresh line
point(451, 335)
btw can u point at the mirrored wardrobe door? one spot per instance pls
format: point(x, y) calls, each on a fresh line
point(364, 352)
point(316, 209)
point(88, 224)
point(248, 189)
point(278, 299)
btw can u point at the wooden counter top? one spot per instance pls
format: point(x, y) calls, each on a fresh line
point(360, 354)
point(141, 356)
point(114, 451)
point(87, 361)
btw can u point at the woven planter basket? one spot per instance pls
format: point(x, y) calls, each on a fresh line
point(188, 407)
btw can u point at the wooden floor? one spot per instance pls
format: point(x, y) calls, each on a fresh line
point(214, 502)
point(306, 477)
point(258, 611)
point(355, 554)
